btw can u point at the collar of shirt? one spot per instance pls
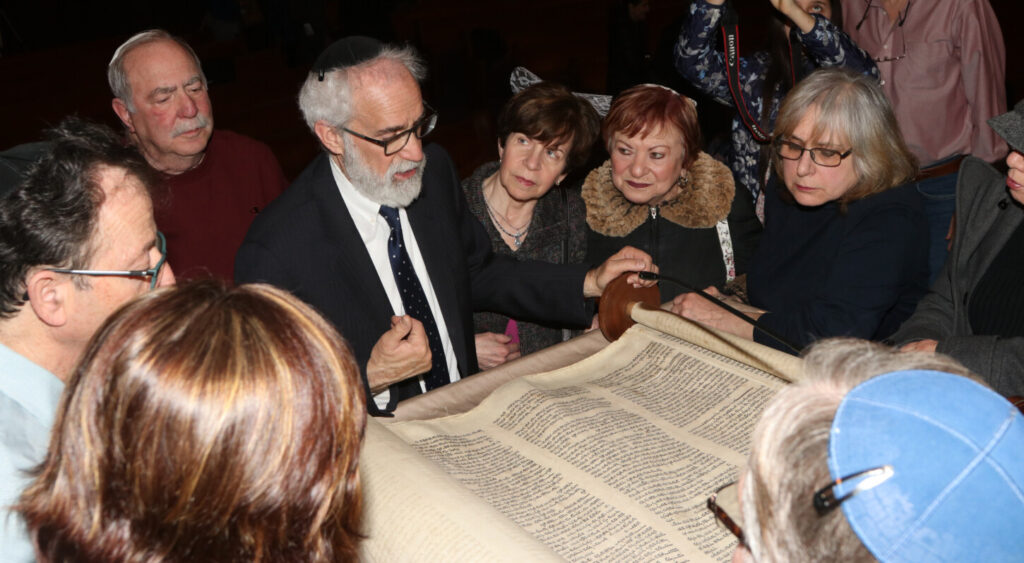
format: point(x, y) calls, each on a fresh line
point(364, 211)
point(374, 231)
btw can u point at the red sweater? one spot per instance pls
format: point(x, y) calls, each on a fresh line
point(206, 211)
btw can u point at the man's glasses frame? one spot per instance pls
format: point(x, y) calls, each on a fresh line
point(153, 273)
point(899, 23)
point(397, 142)
point(820, 155)
point(723, 517)
point(824, 499)
point(903, 38)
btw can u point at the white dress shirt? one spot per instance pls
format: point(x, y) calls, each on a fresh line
point(375, 231)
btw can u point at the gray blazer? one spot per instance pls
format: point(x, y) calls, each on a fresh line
point(986, 216)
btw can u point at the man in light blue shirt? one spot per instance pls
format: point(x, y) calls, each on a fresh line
point(77, 240)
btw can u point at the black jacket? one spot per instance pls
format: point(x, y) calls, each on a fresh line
point(306, 242)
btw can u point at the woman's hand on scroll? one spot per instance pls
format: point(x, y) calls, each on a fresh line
point(628, 259)
point(697, 308)
point(493, 349)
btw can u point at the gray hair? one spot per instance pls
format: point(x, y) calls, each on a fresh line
point(789, 457)
point(851, 108)
point(120, 87)
point(330, 100)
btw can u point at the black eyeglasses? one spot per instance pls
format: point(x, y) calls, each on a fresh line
point(900, 22)
point(821, 156)
point(722, 517)
point(153, 273)
point(903, 36)
point(903, 39)
point(397, 142)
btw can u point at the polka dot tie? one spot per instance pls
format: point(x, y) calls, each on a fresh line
point(414, 299)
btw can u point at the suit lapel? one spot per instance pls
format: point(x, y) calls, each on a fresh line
point(981, 245)
point(436, 247)
point(352, 260)
point(987, 246)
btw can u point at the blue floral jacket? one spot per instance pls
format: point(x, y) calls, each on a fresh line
point(704, 66)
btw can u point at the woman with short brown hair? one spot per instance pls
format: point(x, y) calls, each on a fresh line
point(544, 133)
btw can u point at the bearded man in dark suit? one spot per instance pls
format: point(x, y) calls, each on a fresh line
point(375, 234)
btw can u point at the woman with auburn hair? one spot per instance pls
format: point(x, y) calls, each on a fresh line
point(544, 132)
point(845, 245)
point(661, 194)
point(205, 424)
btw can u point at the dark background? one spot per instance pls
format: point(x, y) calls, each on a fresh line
point(53, 57)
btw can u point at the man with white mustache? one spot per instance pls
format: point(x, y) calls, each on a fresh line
point(217, 180)
point(376, 234)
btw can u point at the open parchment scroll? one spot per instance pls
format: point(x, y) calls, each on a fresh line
point(608, 459)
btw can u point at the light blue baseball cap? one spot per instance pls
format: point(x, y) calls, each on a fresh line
point(956, 450)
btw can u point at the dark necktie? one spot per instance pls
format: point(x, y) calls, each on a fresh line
point(414, 299)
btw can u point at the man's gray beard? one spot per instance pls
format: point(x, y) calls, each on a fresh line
point(385, 191)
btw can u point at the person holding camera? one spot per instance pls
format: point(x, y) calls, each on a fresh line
point(807, 35)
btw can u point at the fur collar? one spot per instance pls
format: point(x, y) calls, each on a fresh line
point(704, 200)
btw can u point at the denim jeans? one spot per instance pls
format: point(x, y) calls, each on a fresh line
point(939, 203)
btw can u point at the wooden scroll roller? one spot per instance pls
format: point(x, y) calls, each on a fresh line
point(623, 306)
point(617, 302)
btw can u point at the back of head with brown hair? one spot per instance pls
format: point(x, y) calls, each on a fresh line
point(205, 424)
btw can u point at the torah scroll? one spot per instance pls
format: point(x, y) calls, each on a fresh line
point(609, 459)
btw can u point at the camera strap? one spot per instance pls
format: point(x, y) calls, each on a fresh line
point(731, 44)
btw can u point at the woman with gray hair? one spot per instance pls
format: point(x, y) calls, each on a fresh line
point(844, 251)
point(922, 463)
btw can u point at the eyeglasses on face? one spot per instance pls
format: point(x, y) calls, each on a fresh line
point(397, 142)
point(722, 517)
point(824, 499)
point(153, 273)
point(821, 156)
